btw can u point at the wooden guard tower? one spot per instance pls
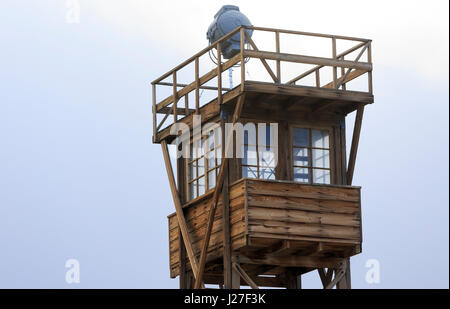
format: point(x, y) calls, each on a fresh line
point(243, 221)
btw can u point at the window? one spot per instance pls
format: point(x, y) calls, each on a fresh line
point(258, 149)
point(203, 165)
point(311, 155)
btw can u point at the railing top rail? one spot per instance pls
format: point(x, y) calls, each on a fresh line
point(225, 37)
point(339, 37)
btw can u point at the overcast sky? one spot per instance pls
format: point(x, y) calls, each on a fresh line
point(80, 178)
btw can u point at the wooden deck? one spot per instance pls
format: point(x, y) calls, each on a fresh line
point(278, 224)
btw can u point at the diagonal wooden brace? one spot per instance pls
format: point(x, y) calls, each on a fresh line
point(215, 198)
point(179, 210)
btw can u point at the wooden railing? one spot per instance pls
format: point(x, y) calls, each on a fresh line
point(348, 70)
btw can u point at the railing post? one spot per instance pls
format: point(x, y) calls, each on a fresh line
point(154, 111)
point(344, 87)
point(277, 44)
point(186, 104)
point(175, 99)
point(369, 59)
point(242, 60)
point(317, 78)
point(219, 74)
point(197, 86)
point(333, 40)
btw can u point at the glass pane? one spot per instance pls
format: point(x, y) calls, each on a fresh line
point(301, 174)
point(249, 155)
point(218, 154)
point(250, 137)
point(210, 160)
point(267, 158)
point(192, 170)
point(249, 172)
point(321, 176)
point(320, 139)
point(265, 135)
point(201, 186)
point(201, 166)
point(267, 173)
point(191, 151)
point(301, 157)
point(211, 179)
point(193, 190)
point(321, 158)
point(210, 141)
point(301, 137)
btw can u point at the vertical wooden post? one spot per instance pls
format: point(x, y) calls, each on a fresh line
point(369, 59)
point(186, 104)
point(317, 78)
point(227, 268)
point(175, 97)
point(333, 40)
point(219, 74)
point(277, 42)
point(242, 59)
point(197, 86)
point(235, 277)
point(154, 111)
point(293, 281)
point(344, 87)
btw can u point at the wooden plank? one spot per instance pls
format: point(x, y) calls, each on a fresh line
point(306, 91)
point(299, 216)
point(219, 183)
point(355, 142)
point(308, 59)
point(308, 230)
point(302, 204)
point(291, 189)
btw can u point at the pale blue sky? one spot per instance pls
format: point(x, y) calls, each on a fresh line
point(80, 178)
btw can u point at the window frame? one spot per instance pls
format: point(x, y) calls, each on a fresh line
point(257, 166)
point(309, 148)
point(206, 170)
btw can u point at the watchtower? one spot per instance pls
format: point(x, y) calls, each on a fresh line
point(282, 204)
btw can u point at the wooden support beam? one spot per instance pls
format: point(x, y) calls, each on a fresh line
point(227, 267)
point(308, 60)
point(245, 276)
point(215, 198)
point(277, 48)
point(242, 58)
point(292, 261)
point(179, 210)
point(264, 62)
point(355, 142)
point(339, 274)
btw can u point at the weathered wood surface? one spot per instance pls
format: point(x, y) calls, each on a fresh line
point(196, 214)
point(277, 223)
